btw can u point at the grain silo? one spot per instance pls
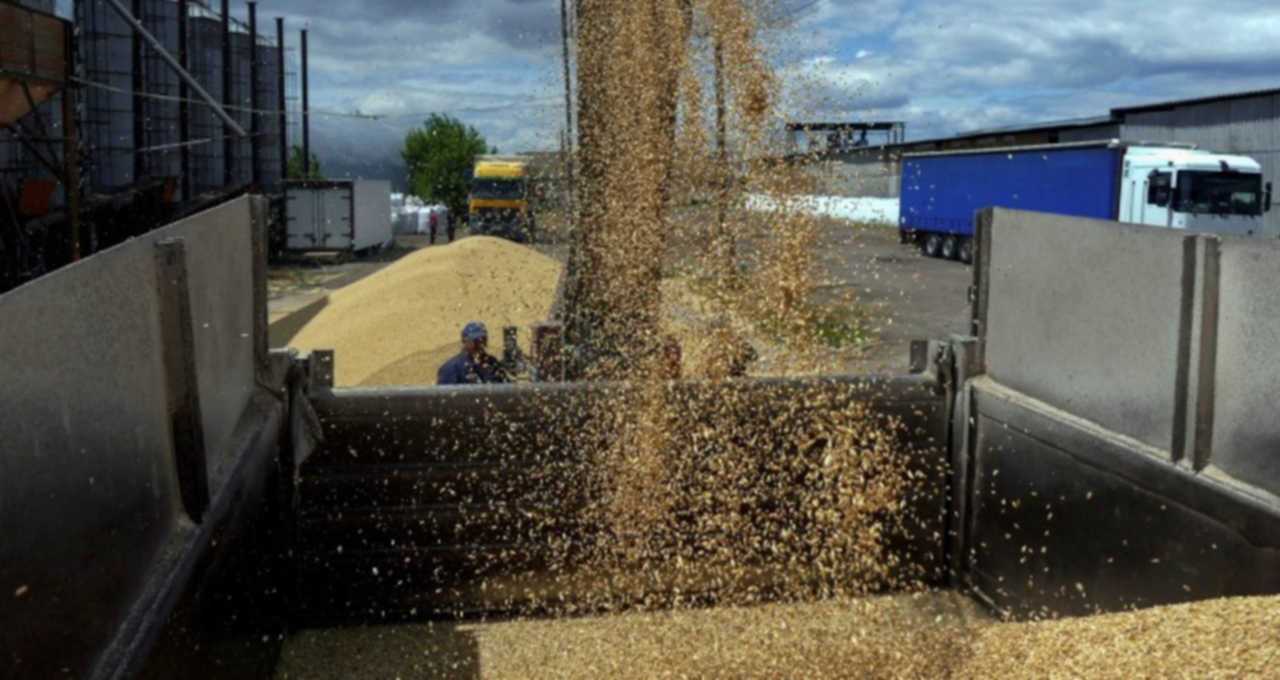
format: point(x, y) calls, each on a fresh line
point(239, 99)
point(205, 62)
point(106, 51)
point(158, 153)
point(268, 92)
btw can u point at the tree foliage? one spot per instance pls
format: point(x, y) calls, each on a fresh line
point(294, 170)
point(440, 156)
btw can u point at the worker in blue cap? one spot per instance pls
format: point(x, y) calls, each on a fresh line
point(473, 365)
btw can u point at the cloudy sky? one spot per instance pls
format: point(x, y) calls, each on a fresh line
point(943, 66)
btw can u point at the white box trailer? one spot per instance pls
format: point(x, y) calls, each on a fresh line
point(337, 215)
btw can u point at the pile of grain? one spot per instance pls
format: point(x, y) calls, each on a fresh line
point(1236, 637)
point(921, 635)
point(396, 326)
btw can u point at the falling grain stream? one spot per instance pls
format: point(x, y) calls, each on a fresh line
point(651, 530)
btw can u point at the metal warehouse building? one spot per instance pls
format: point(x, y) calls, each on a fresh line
point(1245, 123)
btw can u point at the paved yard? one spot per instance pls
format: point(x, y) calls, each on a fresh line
point(907, 296)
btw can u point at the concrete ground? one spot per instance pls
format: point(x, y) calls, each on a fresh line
point(902, 294)
point(298, 288)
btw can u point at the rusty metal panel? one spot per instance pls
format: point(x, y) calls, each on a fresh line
point(33, 59)
point(32, 45)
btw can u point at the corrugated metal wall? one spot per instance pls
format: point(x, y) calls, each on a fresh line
point(204, 45)
point(240, 100)
point(1249, 126)
point(1088, 134)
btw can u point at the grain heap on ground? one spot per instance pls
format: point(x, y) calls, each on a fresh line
point(396, 326)
point(920, 635)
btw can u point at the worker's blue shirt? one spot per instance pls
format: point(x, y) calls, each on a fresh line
point(463, 370)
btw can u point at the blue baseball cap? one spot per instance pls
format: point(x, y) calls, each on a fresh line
point(474, 331)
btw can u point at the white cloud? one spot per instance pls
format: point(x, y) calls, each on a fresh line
point(941, 65)
point(948, 66)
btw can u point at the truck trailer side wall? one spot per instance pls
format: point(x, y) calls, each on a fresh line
point(337, 215)
point(941, 192)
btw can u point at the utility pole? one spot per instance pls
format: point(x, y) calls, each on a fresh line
point(71, 147)
point(138, 105)
point(229, 162)
point(280, 100)
point(255, 139)
point(568, 115)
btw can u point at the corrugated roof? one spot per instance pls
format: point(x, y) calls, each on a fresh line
point(1088, 121)
point(1012, 129)
point(815, 127)
point(1116, 115)
point(1121, 111)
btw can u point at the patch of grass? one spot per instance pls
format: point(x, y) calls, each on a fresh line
point(832, 325)
point(835, 327)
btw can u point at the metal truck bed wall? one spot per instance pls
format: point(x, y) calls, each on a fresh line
point(435, 501)
point(135, 432)
point(941, 191)
point(1105, 439)
point(1114, 446)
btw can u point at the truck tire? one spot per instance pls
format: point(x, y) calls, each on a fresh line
point(949, 247)
point(931, 245)
point(964, 252)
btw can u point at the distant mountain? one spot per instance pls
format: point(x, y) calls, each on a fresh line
point(359, 149)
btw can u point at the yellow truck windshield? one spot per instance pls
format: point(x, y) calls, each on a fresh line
point(482, 187)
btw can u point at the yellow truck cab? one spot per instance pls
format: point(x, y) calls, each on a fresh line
point(498, 201)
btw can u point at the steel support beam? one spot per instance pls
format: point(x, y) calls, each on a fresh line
point(255, 139)
point(184, 131)
point(229, 162)
point(306, 113)
point(139, 126)
point(71, 157)
point(280, 100)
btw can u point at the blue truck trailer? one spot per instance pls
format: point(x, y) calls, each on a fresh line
point(1171, 186)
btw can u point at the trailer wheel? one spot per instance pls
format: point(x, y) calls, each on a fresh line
point(949, 248)
point(932, 245)
point(965, 251)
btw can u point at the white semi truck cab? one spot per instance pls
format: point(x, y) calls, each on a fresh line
point(1162, 185)
point(1184, 188)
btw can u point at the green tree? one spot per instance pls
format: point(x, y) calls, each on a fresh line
point(294, 171)
point(440, 156)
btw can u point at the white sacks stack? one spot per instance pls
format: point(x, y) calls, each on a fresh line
point(410, 215)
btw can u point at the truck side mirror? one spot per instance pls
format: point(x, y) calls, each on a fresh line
point(1266, 198)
